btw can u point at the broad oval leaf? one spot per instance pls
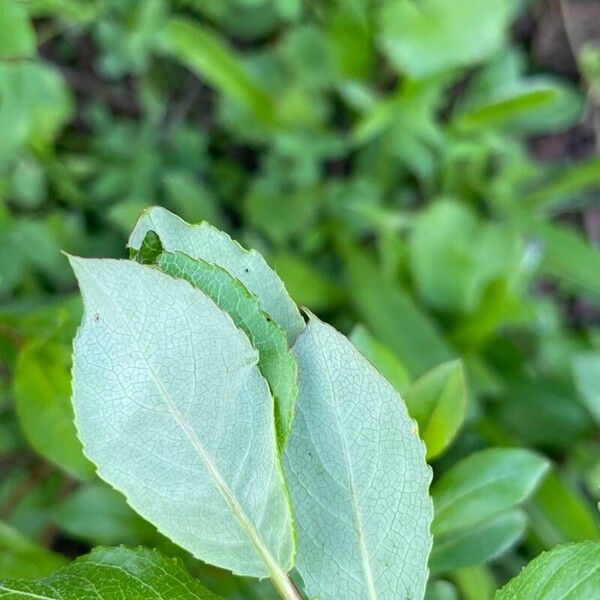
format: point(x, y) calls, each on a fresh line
point(569, 572)
point(207, 243)
point(484, 484)
point(112, 574)
point(171, 406)
point(357, 475)
point(276, 361)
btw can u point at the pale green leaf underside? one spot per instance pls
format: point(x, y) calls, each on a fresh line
point(211, 245)
point(276, 361)
point(357, 476)
point(112, 574)
point(569, 572)
point(171, 407)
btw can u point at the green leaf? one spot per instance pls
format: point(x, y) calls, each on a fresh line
point(276, 362)
point(567, 256)
point(558, 514)
point(34, 105)
point(205, 242)
point(423, 38)
point(205, 53)
point(42, 392)
point(504, 109)
point(393, 316)
point(483, 485)
point(22, 558)
point(354, 453)
point(586, 373)
point(114, 521)
point(382, 358)
point(573, 180)
point(477, 544)
point(437, 401)
point(569, 572)
point(171, 406)
point(17, 36)
point(454, 256)
point(112, 574)
point(307, 285)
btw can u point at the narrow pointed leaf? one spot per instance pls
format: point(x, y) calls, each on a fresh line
point(172, 408)
point(112, 574)
point(276, 361)
point(569, 572)
point(357, 475)
point(205, 242)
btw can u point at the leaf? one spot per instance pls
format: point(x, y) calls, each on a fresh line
point(483, 485)
point(454, 256)
point(205, 53)
point(586, 373)
point(503, 109)
point(393, 316)
point(185, 425)
point(114, 521)
point(276, 362)
point(205, 242)
point(381, 357)
point(17, 36)
point(437, 401)
point(567, 256)
point(42, 392)
point(34, 105)
point(307, 285)
point(572, 181)
point(112, 574)
point(423, 38)
point(20, 557)
point(477, 544)
point(353, 455)
point(569, 572)
point(558, 514)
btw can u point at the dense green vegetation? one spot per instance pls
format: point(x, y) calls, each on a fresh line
point(379, 156)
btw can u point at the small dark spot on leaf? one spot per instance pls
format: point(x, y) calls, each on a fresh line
point(96, 317)
point(247, 270)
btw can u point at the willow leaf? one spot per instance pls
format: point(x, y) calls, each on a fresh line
point(171, 407)
point(112, 574)
point(357, 475)
point(276, 361)
point(205, 242)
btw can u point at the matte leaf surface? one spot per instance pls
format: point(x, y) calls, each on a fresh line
point(569, 572)
point(112, 574)
point(276, 361)
point(357, 476)
point(205, 242)
point(171, 406)
point(477, 544)
point(42, 391)
point(437, 401)
point(483, 485)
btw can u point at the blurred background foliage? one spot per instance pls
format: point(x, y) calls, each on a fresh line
point(422, 174)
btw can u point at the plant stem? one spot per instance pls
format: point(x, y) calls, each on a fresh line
point(284, 586)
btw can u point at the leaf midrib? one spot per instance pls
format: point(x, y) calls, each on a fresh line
point(367, 569)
